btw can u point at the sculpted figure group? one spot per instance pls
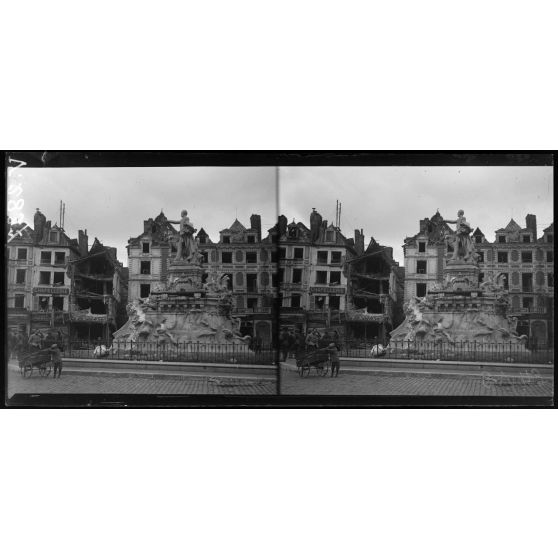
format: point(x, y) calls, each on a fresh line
point(463, 248)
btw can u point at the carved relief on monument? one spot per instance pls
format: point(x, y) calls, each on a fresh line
point(515, 278)
point(239, 256)
point(514, 255)
point(539, 255)
point(264, 278)
point(539, 278)
point(240, 279)
point(213, 256)
point(263, 255)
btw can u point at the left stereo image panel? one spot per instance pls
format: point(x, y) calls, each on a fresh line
point(141, 280)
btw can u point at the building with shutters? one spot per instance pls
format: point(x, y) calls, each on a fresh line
point(313, 286)
point(524, 261)
point(148, 257)
point(250, 262)
point(38, 286)
point(424, 256)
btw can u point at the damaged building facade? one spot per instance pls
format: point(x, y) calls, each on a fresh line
point(522, 260)
point(98, 293)
point(374, 294)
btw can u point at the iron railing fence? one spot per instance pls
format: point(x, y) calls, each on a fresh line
point(459, 351)
point(181, 352)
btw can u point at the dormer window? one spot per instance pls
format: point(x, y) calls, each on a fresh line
point(201, 239)
point(526, 238)
point(145, 247)
point(53, 236)
point(330, 236)
point(550, 238)
point(293, 232)
point(251, 239)
point(422, 246)
point(502, 239)
point(226, 239)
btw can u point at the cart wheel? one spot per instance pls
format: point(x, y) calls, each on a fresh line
point(48, 370)
point(42, 371)
point(322, 370)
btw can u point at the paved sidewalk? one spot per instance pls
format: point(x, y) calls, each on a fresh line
point(410, 384)
point(73, 382)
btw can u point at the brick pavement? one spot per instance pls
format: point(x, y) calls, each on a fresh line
point(103, 384)
point(419, 384)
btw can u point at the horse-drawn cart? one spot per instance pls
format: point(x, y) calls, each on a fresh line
point(40, 359)
point(317, 359)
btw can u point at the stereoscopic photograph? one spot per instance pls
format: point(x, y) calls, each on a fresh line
point(416, 281)
point(308, 281)
point(130, 280)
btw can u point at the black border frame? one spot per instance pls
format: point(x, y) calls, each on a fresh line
point(99, 158)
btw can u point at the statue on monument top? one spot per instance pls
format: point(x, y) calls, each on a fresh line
point(463, 249)
point(186, 245)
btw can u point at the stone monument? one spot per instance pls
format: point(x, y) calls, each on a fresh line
point(193, 308)
point(459, 312)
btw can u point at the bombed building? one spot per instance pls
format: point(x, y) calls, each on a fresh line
point(98, 294)
point(374, 293)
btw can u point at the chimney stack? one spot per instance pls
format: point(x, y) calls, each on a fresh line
point(359, 242)
point(531, 222)
point(256, 224)
point(83, 243)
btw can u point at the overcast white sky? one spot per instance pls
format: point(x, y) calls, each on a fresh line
point(388, 202)
point(112, 203)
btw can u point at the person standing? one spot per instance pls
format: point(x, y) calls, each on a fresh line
point(334, 358)
point(56, 356)
point(284, 344)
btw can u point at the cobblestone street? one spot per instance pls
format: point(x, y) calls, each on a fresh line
point(376, 384)
point(81, 383)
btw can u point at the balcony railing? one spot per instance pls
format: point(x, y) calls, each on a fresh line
point(528, 310)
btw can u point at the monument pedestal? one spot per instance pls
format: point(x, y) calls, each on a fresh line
point(461, 276)
point(185, 277)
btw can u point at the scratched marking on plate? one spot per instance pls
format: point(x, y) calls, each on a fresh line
point(15, 198)
point(526, 378)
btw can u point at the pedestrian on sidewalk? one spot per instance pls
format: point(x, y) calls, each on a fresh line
point(334, 358)
point(56, 359)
